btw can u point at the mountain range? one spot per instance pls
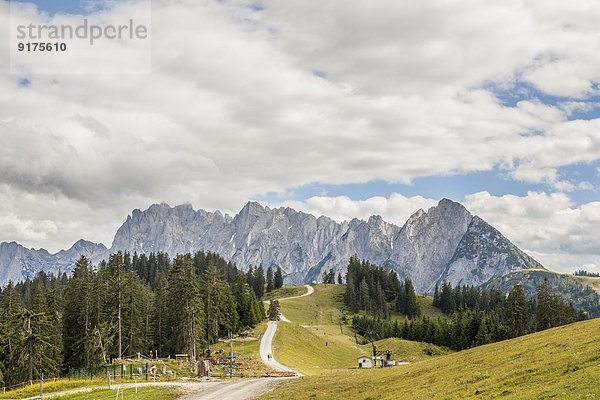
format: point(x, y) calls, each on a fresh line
point(445, 242)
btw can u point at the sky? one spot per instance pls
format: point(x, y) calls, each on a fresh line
point(345, 109)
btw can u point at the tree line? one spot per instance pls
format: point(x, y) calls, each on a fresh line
point(477, 316)
point(586, 273)
point(124, 306)
point(378, 291)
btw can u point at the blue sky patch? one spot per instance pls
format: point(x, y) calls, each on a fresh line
point(454, 187)
point(79, 7)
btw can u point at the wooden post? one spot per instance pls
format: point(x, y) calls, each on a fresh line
point(341, 330)
point(42, 387)
point(108, 377)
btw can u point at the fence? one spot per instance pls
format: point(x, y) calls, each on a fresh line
point(135, 371)
point(116, 371)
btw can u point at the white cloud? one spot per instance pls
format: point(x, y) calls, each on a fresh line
point(546, 224)
point(233, 110)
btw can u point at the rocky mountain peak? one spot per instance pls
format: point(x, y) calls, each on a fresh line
point(446, 242)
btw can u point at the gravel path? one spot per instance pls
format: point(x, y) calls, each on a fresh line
point(238, 389)
point(266, 343)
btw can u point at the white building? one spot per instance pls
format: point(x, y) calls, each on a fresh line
point(365, 362)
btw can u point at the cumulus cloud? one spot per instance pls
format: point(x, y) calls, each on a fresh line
point(549, 225)
point(233, 108)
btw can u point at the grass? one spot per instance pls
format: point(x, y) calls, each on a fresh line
point(143, 393)
point(285, 291)
point(312, 351)
point(321, 307)
point(408, 351)
point(427, 308)
point(315, 343)
point(562, 362)
point(50, 387)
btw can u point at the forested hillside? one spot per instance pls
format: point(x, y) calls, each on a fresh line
point(117, 309)
point(580, 289)
point(475, 316)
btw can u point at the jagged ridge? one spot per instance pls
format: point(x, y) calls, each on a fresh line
point(446, 242)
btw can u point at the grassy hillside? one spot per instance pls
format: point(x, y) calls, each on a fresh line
point(406, 350)
point(562, 362)
point(312, 351)
point(285, 291)
point(314, 342)
point(322, 307)
point(580, 291)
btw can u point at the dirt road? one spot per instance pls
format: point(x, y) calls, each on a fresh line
point(239, 389)
point(266, 343)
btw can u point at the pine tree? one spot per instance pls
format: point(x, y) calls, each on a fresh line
point(517, 311)
point(259, 282)
point(220, 314)
point(185, 312)
point(77, 315)
point(270, 281)
point(546, 306)
point(447, 304)
point(116, 271)
point(412, 308)
point(278, 280)
point(436, 296)
point(274, 310)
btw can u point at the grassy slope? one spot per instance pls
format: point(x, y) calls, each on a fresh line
point(427, 308)
point(321, 307)
point(286, 291)
point(304, 348)
point(311, 352)
point(406, 350)
point(562, 362)
point(321, 345)
point(144, 393)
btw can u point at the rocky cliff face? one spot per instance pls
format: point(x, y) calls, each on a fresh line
point(17, 262)
point(446, 242)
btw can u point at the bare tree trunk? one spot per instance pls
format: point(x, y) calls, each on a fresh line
point(87, 320)
point(119, 314)
point(131, 315)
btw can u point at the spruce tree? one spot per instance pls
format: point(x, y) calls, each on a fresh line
point(270, 280)
point(517, 311)
point(278, 280)
point(77, 314)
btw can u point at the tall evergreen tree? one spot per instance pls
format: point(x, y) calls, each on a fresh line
point(77, 315)
point(278, 280)
point(270, 280)
point(517, 311)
